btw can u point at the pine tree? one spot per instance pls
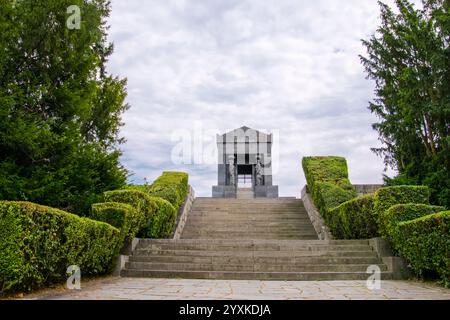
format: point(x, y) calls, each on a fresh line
point(409, 59)
point(60, 111)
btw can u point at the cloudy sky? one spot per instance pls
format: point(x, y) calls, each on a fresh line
point(199, 67)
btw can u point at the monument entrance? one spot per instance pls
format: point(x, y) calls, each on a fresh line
point(244, 162)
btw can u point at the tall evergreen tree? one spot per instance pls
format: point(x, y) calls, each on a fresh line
point(409, 59)
point(60, 111)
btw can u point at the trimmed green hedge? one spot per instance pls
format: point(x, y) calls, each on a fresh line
point(391, 218)
point(425, 243)
point(327, 179)
point(171, 186)
point(354, 219)
point(38, 244)
point(328, 196)
point(324, 169)
point(120, 215)
point(141, 202)
point(389, 196)
point(139, 187)
point(162, 224)
point(155, 216)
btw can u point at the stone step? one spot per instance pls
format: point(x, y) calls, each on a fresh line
point(233, 275)
point(274, 208)
point(256, 210)
point(244, 236)
point(254, 201)
point(250, 221)
point(249, 217)
point(249, 267)
point(257, 242)
point(249, 207)
point(252, 229)
point(253, 247)
point(230, 232)
point(288, 260)
point(260, 253)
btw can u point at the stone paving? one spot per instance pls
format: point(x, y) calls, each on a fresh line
point(185, 289)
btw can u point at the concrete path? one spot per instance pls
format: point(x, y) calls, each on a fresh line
point(184, 289)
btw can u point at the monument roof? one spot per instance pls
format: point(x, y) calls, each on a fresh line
point(244, 129)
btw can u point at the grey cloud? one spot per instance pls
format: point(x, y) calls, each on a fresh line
point(287, 65)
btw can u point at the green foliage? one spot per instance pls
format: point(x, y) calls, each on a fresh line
point(162, 223)
point(141, 202)
point(391, 218)
point(354, 219)
point(38, 243)
point(389, 196)
point(59, 109)
point(408, 60)
point(155, 216)
point(171, 186)
point(143, 188)
point(425, 243)
point(328, 196)
point(120, 215)
point(328, 183)
point(325, 169)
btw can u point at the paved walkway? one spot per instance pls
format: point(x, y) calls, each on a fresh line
point(175, 289)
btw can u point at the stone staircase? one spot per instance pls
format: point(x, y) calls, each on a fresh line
point(261, 239)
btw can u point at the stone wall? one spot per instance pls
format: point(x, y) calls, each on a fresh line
point(363, 189)
point(319, 225)
point(183, 213)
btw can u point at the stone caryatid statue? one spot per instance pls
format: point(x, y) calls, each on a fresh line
point(258, 172)
point(231, 171)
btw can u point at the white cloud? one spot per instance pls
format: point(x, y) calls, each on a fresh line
point(286, 64)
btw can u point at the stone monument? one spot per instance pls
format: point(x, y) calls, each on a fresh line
point(244, 154)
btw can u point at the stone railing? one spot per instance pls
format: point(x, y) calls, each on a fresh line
point(363, 189)
point(183, 213)
point(317, 221)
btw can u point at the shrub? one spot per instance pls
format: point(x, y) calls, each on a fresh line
point(141, 202)
point(171, 186)
point(425, 243)
point(38, 243)
point(324, 169)
point(155, 216)
point(391, 218)
point(120, 215)
point(162, 223)
point(327, 179)
point(139, 187)
point(354, 219)
point(328, 196)
point(389, 196)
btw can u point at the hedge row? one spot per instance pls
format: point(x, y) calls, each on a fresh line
point(327, 179)
point(154, 208)
point(38, 244)
point(421, 234)
point(120, 215)
point(354, 219)
point(416, 230)
point(171, 186)
point(153, 218)
point(359, 218)
point(390, 196)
